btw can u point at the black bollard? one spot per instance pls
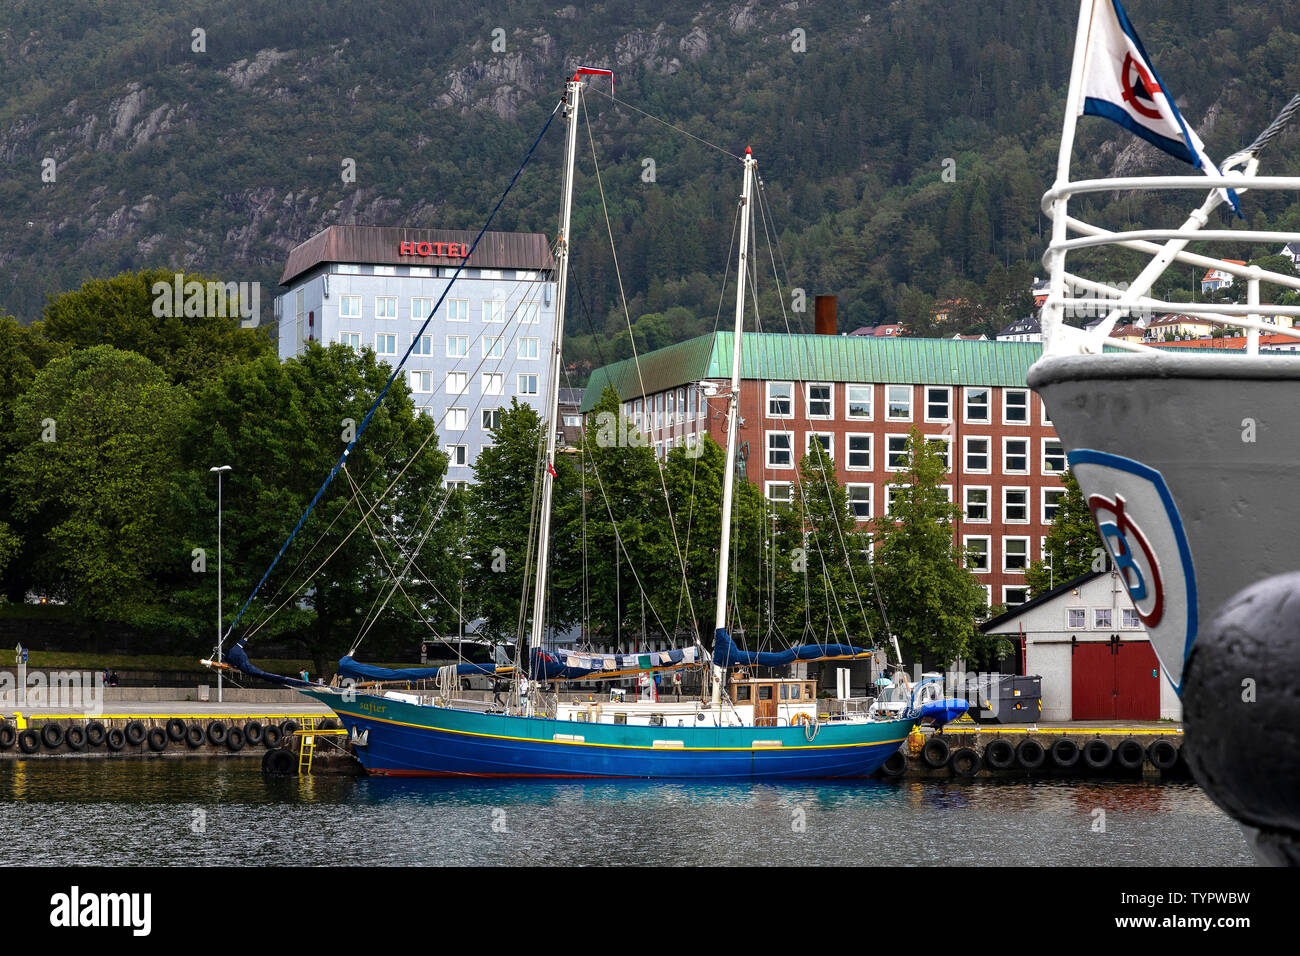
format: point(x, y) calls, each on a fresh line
point(1241, 710)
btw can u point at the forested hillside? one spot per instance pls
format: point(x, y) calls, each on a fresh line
point(218, 151)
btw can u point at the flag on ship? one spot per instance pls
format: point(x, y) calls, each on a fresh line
point(1121, 84)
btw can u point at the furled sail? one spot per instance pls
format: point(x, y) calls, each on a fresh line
point(727, 654)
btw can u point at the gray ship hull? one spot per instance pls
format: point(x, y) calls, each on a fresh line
point(1221, 435)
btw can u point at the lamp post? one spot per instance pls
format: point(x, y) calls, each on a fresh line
point(219, 470)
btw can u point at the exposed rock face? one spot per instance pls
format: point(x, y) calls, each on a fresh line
point(244, 73)
point(695, 44)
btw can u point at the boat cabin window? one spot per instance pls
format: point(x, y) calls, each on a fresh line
point(794, 691)
point(785, 691)
point(765, 692)
point(620, 718)
point(742, 693)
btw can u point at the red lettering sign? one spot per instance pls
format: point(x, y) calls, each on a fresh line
point(408, 249)
point(446, 250)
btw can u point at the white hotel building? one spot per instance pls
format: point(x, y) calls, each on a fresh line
point(372, 287)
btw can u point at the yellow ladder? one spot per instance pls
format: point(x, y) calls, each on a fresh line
point(307, 745)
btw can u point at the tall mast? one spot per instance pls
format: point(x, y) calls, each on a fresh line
point(733, 405)
point(573, 90)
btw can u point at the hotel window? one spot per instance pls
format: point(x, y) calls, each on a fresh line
point(898, 403)
point(458, 310)
point(1053, 456)
point(424, 272)
point(489, 273)
point(385, 307)
point(457, 419)
point(457, 346)
point(977, 503)
point(494, 383)
point(385, 343)
point(636, 414)
point(1076, 618)
point(780, 449)
point(820, 404)
point(1051, 503)
point(528, 313)
point(494, 310)
point(977, 405)
point(659, 410)
point(1015, 505)
point(459, 454)
point(859, 402)
point(1130, 618)
point(1014, 596)
point(1015, 406)
point(422, 345)
point(348, 269)
point(350, 307)
point(528, 384)
point(859, 452)
point(690, 403)
point(672, 405)
point(493, 347)
point(351, 338)
point(422, 381)
point(892, 494)
point(527, 349)
point(681, 404)
point(1101, 618)
point(420, 309)
point(859, 501)
point(938, 403)
point(943, 445)
point(780, 491)
point(780, 399)
point(977, 455)
point(896, 453)
point(825, 439)
point(1015, 456)
point(491, 419)
point(1015, 554)
point(977, 553)
point(457, 383)
point(385, 270)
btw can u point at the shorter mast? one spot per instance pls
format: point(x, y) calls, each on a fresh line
point(733, 406)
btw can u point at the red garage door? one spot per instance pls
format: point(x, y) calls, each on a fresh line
point(1114, 680)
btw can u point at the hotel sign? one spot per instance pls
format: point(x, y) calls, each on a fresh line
point(453, 250)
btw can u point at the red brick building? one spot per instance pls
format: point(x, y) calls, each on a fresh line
point(860, 396)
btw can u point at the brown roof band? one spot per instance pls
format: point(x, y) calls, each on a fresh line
point(381, 245)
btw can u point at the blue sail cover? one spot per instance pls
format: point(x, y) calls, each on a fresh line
point(727, 654)
point(542, 665)
point(238, 657)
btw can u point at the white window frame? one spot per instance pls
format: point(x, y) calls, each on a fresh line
point(988, 455)
point(966, 539)
point(884, 504)
point(421, 344)
point(1006, 395)
point(946, 440)
point(454, 414)
point(1015, 587)
point(966, 404)
point(1042, 459)
point(767, 449)
point(829, 445)
point(529, 313)
point(526, 348)
point(888, 453)
point(523, 380)
point(387, 337)
point(1028, 443)
point(417, 380)
point(1124, 612)
point(1043, 516)
point(421, 312)
point(490, 418)
point(344, 302)
point(1006, 568)
point(458, 310)
point(497, 348)
point(1006, 508)
point(453, 378)
point(848, 402)
point(910, 402)
point(988, 504)
point(385, 271)
point(494, 311)
point(830, 400)
point(769, 485)
point(925, 396)
point(464, 346)
point(488, 378)
point(346, 337)
point(1042, 411)
point(1069, 621)
point(380, 309)
point(455, 451)
point(849, 452)
point(1110, 619)
point(768, 406)
point(870, 499)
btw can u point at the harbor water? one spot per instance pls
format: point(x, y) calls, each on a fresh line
point(215, 811)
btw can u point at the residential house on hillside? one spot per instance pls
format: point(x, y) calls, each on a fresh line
point(1027, 329)
point(1217, 279)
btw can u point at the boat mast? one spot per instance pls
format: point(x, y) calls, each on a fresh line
point(733, 407)
point(573, 90)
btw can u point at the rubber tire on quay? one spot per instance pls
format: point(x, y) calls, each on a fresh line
point(277, 763)
point(1097, 754)
point(95, 732)
point(895, 765)
point(8, 737)
point(271, 736)
point(235, 740)
point(115, 739)
point(254, 732)
point(935, 753)
point(1162, 754)
point(157, 739)
point(964, 762)
point(999, 754)
point(176, 730)
point(217, 733)
point(29, 741)
point(289, 727)
point(76, 738)
point(52, 735)
point(1064, 753)
point(136, 732)
point(1030, 754)
point(1129, 754)
point(194, 736)
point(329, 723)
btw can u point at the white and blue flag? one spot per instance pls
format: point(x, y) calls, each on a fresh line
point(1120, 83)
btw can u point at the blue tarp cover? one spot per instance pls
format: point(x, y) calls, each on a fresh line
point(727, 654)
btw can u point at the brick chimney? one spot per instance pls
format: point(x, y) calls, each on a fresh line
point(824, 314)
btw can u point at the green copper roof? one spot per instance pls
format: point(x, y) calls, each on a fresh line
point(820, 358)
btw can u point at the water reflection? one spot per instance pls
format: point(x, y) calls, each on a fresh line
point(149, 812)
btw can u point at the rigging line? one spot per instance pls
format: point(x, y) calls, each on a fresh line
point(365, 422)
point(664, 122)
point(636, 361)
point(387, 491)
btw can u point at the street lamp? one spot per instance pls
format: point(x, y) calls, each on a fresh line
point(220, 470)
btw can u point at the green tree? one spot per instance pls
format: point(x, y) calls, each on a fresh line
point(932, 600)
point(1072, 543)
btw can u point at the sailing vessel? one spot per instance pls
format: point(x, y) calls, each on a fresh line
point(751, 727)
